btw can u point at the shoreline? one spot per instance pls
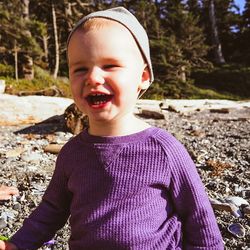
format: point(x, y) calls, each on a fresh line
point(18, 110)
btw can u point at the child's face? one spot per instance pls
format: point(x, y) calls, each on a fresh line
point(106, 72)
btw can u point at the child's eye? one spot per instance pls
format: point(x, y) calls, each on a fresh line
point(80, 70)
point(110, 66)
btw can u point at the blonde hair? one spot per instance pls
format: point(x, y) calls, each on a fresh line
point(97, 23)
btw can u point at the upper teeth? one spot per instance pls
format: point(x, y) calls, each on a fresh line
point(97, 94)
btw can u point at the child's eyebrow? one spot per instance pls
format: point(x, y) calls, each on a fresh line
point(76, 63)
point(102, 60)
point(112, 59)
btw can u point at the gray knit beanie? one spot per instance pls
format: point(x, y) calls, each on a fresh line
point(123, 16)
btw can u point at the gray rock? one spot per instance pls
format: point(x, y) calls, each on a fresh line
point(225, 137)
point(3, 223)
point(236, 200)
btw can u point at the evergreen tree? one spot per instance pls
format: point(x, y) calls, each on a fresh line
point(145, 11)
point(9, 25)
point(228, 26)
point(189, 37)
point(27, 59)
point(177, 47)
point(194, 6)
point(226, 23)
point(210, 21)
point(13, 34)
point(245, 36)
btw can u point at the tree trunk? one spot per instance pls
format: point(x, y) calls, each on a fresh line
point(68, 14)
point(27, 66)
point(16, 60)
point(45, 49)
point(56, 68)
point(182, 75)
point(219, 58)
point(25, 9)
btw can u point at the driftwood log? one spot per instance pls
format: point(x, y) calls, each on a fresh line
point(51, 91)
point(53, 148)
point(75, 120)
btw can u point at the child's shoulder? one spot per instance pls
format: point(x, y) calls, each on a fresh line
point(169, 143)
point(166, 138)
point(71, 145)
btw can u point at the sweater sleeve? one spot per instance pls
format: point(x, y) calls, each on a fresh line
point(200, 229)
point(50, 215)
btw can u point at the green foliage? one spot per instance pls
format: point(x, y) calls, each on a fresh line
point(194, 7)
point(42, 80)
point(182, 45)
point(228, 78)
point(179, 33)
point(14, 28)
point(173, 90)
point(6, 70)
point(168, 60)
point(228, 21)
point(38, 28)
point(243, 42)
point(43, 75)
point(145, 11)
point(167, 89)
point(155, 91)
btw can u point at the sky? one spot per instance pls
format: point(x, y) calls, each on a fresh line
point(240, 3)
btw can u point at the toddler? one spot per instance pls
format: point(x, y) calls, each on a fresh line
point(122, 183)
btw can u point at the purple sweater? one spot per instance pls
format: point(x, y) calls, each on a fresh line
point(140, 191)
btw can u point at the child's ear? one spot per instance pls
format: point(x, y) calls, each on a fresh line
point(145, 80)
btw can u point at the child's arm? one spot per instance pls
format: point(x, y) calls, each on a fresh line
point(6, 192)
point(200, 229)
point(5, 245)
point(51, 214)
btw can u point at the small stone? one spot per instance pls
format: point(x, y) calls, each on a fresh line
point(3, 223)
point(246, 210)
point(227, 190)
point(9, 214)
point(246, 193)
point(236, 200)
point(17, 206)
point(171, 108)
point(32, 157)
point(152, 114)
point(14, 152)
point(220, 111)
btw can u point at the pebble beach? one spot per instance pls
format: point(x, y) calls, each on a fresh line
point(217, 140)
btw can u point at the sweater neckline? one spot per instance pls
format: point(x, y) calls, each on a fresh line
point(135, 137)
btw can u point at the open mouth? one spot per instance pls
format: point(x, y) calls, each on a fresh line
point(98, 99)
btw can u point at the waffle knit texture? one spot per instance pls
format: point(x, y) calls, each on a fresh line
point(140, 191)
point(127, 19)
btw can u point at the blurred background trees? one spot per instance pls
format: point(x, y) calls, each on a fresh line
point(194, 43)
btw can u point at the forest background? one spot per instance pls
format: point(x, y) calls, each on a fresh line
point(199, 48)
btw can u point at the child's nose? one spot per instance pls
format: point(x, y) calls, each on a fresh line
point(95, 77)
